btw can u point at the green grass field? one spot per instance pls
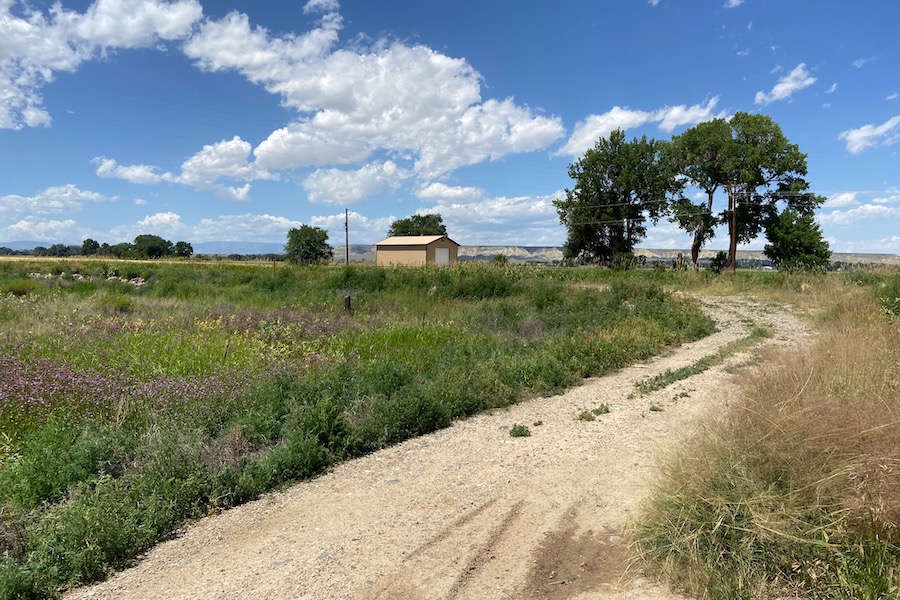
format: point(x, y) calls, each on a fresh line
point(138, 396)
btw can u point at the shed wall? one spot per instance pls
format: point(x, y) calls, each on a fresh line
point(414, 255)
point(411, 256)
point(444, 243)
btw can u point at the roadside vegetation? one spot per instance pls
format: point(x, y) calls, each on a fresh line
point(796, 491)
point(137, 397)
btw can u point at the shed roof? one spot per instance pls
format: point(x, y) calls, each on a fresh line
point(412, 240)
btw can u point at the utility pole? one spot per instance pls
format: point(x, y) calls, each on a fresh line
point(346, 236)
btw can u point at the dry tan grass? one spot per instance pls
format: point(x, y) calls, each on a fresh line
point(830, 414)
point(799, 485)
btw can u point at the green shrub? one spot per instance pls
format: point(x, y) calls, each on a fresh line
point(519, 430)
point(114, 302)
point(889, 293)
point(57, 456)
point(480, 284)
point(21, 287)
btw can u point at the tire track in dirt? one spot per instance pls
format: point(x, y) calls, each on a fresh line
point(485, 552)
point(467, 512)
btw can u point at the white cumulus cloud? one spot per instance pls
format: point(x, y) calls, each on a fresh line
point(243, 227)
point(136, 23)
point(30, 229)
point(588, 131)
point(842, 199)
point(52, 200)
point(892, 196)
point(35, 45)
point(860, 213)
point(219, 167)
point(337, 186)
point(474, 217)
point(441, 192)
point(362, 229)
point(321, 6)
point(165, 224)
point(350, 102)
point(227, 159)
point(676, 116)
point(108, 168)
point(859, 139)
point(798, 79)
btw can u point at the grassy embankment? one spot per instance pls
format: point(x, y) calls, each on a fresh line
point(796, 492)
point(126, 412)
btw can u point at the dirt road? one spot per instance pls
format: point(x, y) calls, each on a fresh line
point(467, 512)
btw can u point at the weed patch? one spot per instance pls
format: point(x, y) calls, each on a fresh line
point(519, 430)
point(670, 376)
point(127, 411)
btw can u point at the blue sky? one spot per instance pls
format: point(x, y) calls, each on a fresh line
point(235, 121)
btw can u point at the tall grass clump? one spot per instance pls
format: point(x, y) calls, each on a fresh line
point(796, 492)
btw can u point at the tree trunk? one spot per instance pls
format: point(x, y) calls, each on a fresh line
point(695, 247)
point(700, 233)
point(732, 232)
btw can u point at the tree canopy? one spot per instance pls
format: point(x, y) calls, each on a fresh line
point(153, 246)
point(699, 155)
point(183, 249)
point(796, 242)
point(144, 246)
point(618, 186)
point(750, 158)
point(430, 224)
point(308, 245)
point(90, 247)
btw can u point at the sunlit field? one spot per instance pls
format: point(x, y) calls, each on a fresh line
point(138, 396)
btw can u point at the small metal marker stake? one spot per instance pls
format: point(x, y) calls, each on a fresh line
point(347, 308)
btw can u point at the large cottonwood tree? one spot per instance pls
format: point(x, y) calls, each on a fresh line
point(619, 185)
point(699, 155)
point(749, 158)
point(308, 245)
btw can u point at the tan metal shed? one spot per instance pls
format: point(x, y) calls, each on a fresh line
point(416, 250)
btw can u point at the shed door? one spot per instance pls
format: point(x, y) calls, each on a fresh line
point(442, 256)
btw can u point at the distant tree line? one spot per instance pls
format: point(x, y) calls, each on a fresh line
point(144, 246)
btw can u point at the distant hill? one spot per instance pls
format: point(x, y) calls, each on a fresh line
point(515, 254)
point(238, 248)
point(24, 245)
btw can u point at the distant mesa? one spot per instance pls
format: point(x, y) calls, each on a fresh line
point(24, 245)
point(514, 254)
point(238, 248)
